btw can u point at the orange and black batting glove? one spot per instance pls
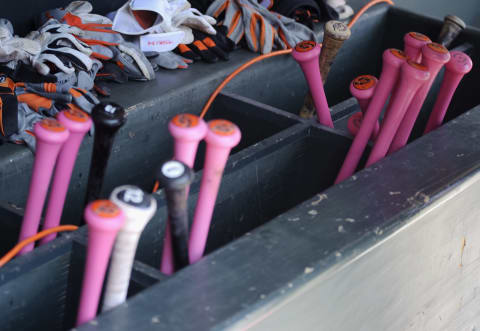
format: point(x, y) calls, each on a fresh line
point(208, 48)
point(8, 107)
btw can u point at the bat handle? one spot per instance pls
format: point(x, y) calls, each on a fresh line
point(104, 220)
point(413, 76)
point(221, 137)
point(459, 65)
point(392, 61)
point(78, 123)
point(50, 135)
point(452, 27)
point(434, 57)
point(335, 34)
point(138, 207)
point(363, 88)
point(108, 118)
point(414, 42)
point(187, 130)
point(306, 54)
point(176, 177)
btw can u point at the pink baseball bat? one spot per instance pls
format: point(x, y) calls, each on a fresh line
point(50, 135)
point(362, 88)
point(187, 131)
point(392, 60)
point(306, 53)
point(78, 123)
point(221, 137)
point(412, 78)
point(414, 42)
point(104, 220)
point(459, 65)
point(434, 57)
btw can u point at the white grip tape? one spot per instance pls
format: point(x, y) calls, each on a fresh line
point(120, 269)
point(138, 214)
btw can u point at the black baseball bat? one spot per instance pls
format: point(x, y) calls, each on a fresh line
point(176, 177)
point(107, 119)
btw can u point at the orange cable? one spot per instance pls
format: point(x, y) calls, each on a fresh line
point(365, 8)
point(18, 247)
point(276, 53)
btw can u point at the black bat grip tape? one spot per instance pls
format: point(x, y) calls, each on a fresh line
point(107, 119)
point(176, 177)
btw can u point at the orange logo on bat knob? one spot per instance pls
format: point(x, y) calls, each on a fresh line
point(437, 48)
point(222, 127)
point(52, 125)
point(419, 36)
point(364, 82)
point(185, 120)
point(76, 115)
point(305, 46)
point(105, 208)
point(398, 53)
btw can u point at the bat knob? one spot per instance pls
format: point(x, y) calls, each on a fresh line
point(460, 63)
point(223, 133)
point(306, 51)
point(394, 57)
point(436, 52)
point(137, 205)
point(452, 27)
point(104, 216)
point(75, 120)
point(51, 131)
point(354, 123)
point(362, 87)
point(414, 42)
point(187, 127)
point(337, 30)
point(108, 115)
point(175, 175)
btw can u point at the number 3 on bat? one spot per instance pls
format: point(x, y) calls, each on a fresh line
point(133, 196)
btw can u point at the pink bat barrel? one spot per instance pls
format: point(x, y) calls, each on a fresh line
point(392, 60)
point(306, 53)
point(413, 76)
point(187, 131)
point(362, 88)
point(104, 220)
point(459, 65)
point(413, 43)
point(221, 137)
point(50, 135)
point(434, 56)
point(78, 123)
